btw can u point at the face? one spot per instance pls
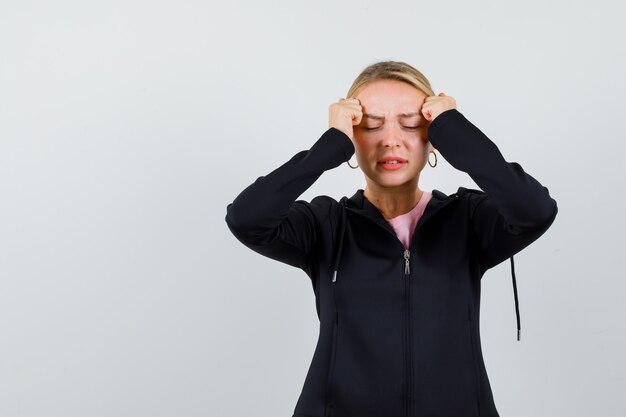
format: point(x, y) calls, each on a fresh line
point(392, 126)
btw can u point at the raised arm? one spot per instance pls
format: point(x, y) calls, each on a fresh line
point(267, 218)
point(514, 210)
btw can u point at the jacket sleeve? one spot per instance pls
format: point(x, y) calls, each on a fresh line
point(266, 217)
point(514, 209)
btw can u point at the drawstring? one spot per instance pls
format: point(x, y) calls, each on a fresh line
point(515, 295)
point(342, 228)
point(335, 267)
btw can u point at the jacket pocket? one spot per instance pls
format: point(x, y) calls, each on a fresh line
point(474, 364)
point(331, 369)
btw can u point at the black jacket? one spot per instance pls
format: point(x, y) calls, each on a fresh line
point(399, 329)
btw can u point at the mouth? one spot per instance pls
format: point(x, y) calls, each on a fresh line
point(392, 164)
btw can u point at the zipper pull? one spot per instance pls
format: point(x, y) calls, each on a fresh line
point(407, 255)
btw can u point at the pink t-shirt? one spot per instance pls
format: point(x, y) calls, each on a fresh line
point(404, 224)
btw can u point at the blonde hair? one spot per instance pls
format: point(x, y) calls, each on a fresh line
point(391, 70)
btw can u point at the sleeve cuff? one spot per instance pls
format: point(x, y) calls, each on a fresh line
point(344, 142)
point(441, 120)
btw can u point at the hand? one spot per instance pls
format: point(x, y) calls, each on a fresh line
point(344, 114)
point(435, 105)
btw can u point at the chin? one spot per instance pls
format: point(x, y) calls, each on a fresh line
point(392, 182)
point(390, 178)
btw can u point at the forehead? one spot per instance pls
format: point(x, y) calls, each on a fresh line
point(386, 96)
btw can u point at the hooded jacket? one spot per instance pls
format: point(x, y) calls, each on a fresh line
point(399, 328)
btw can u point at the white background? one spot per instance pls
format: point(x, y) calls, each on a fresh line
point(126, 127)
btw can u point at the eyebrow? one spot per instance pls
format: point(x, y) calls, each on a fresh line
point(401, 115)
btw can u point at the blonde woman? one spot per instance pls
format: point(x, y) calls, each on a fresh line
point(396, 270)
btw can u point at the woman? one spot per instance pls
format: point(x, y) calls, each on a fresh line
point(396, 270)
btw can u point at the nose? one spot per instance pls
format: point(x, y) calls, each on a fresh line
point(391, 141)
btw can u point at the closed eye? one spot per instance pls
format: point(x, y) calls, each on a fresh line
point(406, 127)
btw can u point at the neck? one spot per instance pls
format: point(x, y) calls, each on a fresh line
point(395, 201)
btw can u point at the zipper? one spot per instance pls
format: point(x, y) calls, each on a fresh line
point(407, 312)
point(406, 253)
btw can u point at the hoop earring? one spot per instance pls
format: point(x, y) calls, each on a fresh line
point(433, 152)
point(348, 162)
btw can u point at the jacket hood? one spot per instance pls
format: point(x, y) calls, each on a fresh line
point(360, 205)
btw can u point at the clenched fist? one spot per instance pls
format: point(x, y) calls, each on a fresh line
point(344, 114)
point(435, 105)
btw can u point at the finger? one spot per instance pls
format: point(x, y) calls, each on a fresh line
point(355, 106)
